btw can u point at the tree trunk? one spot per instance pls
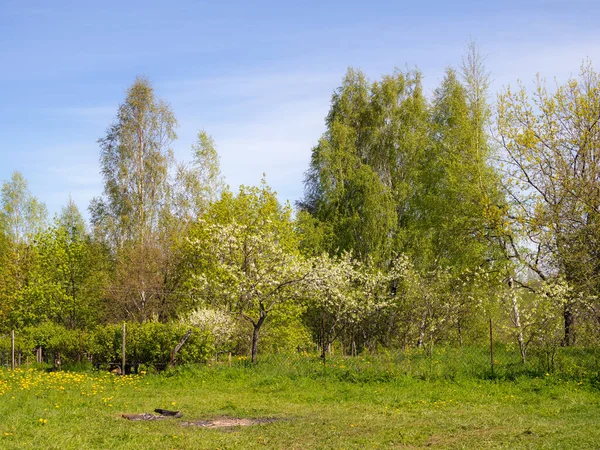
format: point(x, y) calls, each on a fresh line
point(256, 329)
point(323, 343)
point(422, 329)
point(569, 318)
point(516, 317)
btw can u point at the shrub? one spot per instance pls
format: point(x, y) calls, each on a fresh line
point(149, 343)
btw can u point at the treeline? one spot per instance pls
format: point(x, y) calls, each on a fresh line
point(423, 218)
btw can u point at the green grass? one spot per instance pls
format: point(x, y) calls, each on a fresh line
point(355, 404)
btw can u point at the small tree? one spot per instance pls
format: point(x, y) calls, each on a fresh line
point(243, 257)
point(536, 317)
point(343, 294)
point(221, 326)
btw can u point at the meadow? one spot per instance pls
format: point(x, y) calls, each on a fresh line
point(345, 403)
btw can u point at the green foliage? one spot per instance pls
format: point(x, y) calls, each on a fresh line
point(135, 217)
point(284, 332)
point(135, 157)
point(354, 182)
point(105, 343)
point(399, 174)
point(550, 146)
point(199, 184)
point(150, 343)
point(72, 272)
point(243, 257)
point(404, 237)
point(458, 186)
point(21, 215)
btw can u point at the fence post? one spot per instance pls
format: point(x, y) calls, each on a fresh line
point(12, 350)
point(123, 349)
point(491, 347)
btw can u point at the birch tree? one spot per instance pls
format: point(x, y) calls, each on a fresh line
point(135, 157)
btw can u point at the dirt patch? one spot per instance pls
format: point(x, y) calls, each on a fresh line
point(228, 422)
point(220, 422)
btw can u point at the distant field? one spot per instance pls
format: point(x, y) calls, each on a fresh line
point(318, 408)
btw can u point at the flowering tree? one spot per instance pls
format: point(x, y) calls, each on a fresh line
point(439, 304)
point(550, 142)
point(342, 293)
point(536, 317)
point(243, 257)
point(221, 326)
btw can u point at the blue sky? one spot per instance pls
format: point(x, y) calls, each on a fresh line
point(256, 75)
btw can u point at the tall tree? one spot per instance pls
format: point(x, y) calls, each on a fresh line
point(135, 158)
point(359, 179)
point(395, 173)
point(22, 217)
point(70, 219)
point(459, 190)
point(76, 270)
point(200, 183)
point(21, 213)
point(476, 81)
point(64, 277)
point(550, 146)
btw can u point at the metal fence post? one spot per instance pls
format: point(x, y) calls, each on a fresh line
point(123, 350)
point(12, 350)
point(491, 347)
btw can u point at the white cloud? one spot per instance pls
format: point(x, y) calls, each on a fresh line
point(267, 123)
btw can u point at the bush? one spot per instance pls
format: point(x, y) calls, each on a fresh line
point(149, 343)
point(56, 340)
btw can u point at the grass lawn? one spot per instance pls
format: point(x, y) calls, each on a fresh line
point(320, 409)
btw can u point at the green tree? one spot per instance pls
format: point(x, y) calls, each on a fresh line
point(135, 156)
point(71, 220)
point(199, 183)
point(360, 173)
point(396, 173)
point(133, 216)
point(22, 214)
point(550, 148)
point(75, 270)
point(344, 297)
point(66, 274)
point(459, 190)
point(242, 257)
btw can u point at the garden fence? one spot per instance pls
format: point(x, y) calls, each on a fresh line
point(489, 360)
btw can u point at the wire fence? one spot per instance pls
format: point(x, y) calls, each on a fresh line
point(438, 363)
point(495, 360)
